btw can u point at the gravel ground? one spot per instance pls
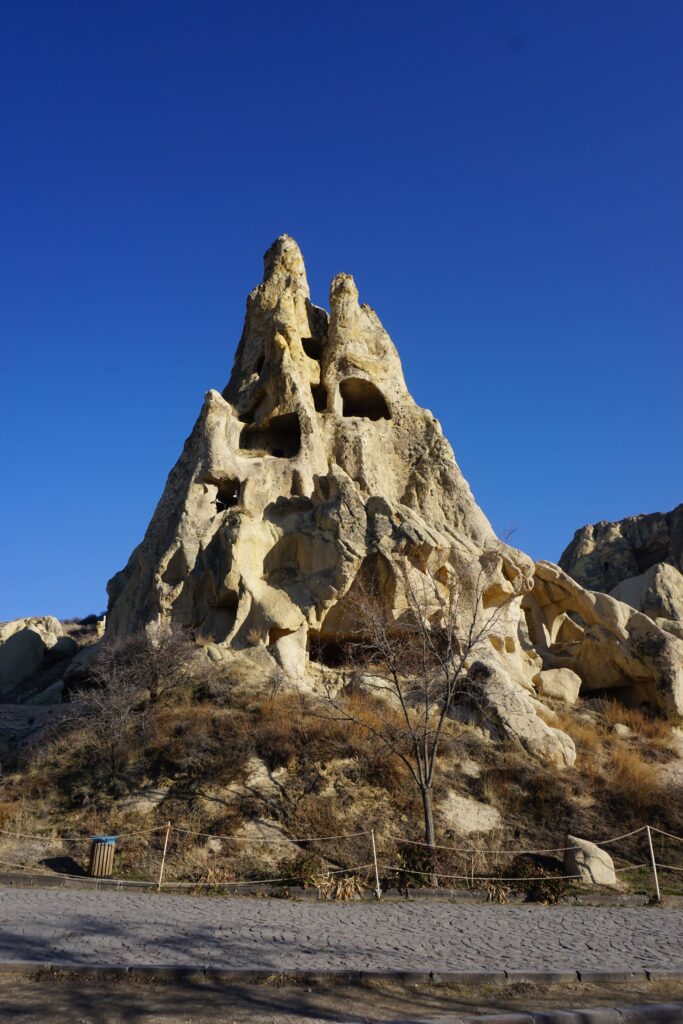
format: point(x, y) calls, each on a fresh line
point(98, 928)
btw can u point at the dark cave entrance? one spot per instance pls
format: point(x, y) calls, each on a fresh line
point(281, 438)
point(362, 398)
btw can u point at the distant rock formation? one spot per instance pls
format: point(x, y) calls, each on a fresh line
point(605, 554)
point(638, 560)
point(314, 470)
point(26, 645)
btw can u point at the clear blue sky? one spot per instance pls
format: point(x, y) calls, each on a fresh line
point(503, 179)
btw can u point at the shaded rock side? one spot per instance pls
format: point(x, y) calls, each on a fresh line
point(313, 470)
point(658, 592)
point(602, 555)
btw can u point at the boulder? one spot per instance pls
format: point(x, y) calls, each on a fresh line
point(613, 646)
point(559, 684)
point(21, 656)
point(658, 592)
point(504, 711)
point(48, 628)
point(590, 862)
point(24, 644)
point(65, 647)
point(465, 815)
point(623, 731)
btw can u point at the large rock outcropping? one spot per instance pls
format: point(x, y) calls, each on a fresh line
point(315, 470)
point(602, 555)
point(638, 561)
point(314, 466)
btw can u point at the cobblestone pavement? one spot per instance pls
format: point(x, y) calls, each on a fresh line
point(149, 929)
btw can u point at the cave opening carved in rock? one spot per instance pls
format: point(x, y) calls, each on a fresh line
point(319, 392)
point(220, 619)
point(227, 494)
point(362, 398)
point(281, 438)
point(312, 348)
point(328, 650)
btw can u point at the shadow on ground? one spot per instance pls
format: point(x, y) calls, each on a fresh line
point(29, 999)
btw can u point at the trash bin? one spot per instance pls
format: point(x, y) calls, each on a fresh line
point(101, 864)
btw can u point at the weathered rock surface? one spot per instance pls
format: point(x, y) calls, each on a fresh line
point(48, 628)
point(658, 592)
point(313, 469)
point(604, 554)
point(559, 684)
point(466, 816)
point(505, 712)
point(29, 648)
point(607, 643)
point(590, 862)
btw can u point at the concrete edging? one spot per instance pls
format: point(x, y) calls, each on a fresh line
point(238, 976)
point(458, 896)
point(652, 1013)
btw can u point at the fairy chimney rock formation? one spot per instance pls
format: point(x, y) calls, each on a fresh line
point(315, 471)
point(314, 466)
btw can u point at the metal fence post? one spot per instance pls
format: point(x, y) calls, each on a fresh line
point(163, 856)
point(378, 890)
point(654, 863)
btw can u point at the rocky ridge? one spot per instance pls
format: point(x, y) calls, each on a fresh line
point(638, 560)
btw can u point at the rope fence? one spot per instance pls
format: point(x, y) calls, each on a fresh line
point(197, 860)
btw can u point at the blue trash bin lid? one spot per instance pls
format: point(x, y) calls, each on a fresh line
point(104, 839)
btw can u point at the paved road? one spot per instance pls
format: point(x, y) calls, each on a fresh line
point(135, 928)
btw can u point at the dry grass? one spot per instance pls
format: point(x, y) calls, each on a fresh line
point(196, 743)
point(646, 727)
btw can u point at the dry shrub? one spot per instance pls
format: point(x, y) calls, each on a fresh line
point(646, 726)
point(635, 787)
point(197, 743)
point(337, 887)
point(588, 735)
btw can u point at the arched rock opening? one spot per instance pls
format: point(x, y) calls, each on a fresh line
point(312, 348)
point(362, 398)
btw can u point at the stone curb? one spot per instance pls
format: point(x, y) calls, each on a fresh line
point(239, 976)
point(465, 897)
point(654, 1013)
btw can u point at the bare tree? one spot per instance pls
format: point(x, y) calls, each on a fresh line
point(418, 661)
point(125, 676)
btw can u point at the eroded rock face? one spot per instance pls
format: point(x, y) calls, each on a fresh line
point(604, 554)
point(495, 704)
point(610, 645)
point(313, 470)
point(658, 592)
point(24, 646)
